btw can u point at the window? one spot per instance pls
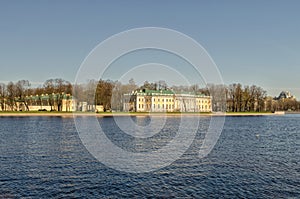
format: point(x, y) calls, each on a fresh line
point(153, 105)
point(158, 106)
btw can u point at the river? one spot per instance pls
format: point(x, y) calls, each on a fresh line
point(255, 157)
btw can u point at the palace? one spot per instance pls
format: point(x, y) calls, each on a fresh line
point(165, 101)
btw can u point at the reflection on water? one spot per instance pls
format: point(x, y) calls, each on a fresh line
point(255, 157)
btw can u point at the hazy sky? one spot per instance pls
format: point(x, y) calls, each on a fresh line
point(252, 42)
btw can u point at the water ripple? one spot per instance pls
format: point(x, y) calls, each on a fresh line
point(255, 157)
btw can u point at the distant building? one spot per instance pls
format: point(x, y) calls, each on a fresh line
point(51, 102)
point(57, 102)
point(284, 95)
point(165, 101)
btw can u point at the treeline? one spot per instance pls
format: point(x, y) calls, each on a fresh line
point(107, 93)
point(239, 98)
point(12, 93)
point(232, 98)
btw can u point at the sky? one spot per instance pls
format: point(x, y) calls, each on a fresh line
point(251, 42)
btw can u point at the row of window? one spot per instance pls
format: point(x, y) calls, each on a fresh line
point(168, 106)
point(167, 100)
point(199, 107)
point(202, 101)
point(141, 106)
point(171, 100)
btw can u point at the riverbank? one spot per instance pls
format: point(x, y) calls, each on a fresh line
point(72, 114)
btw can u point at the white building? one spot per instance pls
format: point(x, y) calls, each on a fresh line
point(166, 101)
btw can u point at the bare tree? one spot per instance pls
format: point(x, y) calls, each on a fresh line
point(117, 96)
point(2, 96)
point(49, 90)
point(11, 94)
point(246, 99)
point(56, 88)
point(219, 96)
point(62, 87)
point(162, 85)
point(22, 87)
point(150, 86)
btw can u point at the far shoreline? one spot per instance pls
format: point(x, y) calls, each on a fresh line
point(106, 114)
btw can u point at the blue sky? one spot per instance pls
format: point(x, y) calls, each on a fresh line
point(252, 42)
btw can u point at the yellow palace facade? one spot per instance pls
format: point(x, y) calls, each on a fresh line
point(165, 101)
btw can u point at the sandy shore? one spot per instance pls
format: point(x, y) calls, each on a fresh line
point(70, 114)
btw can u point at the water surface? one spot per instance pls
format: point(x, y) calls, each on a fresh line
point(255, 157)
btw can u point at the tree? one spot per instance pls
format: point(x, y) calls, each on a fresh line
point(49, 90)
point(56, 89)
point(219, 96)
point(90, 92)
point(260, 95)
point(149, 86)
point(162, 85)
point(131, 86)
point(22, 88)
point(238, 95)
point(11, 94)
point(246, 99)
point(231, 97)
point(104, 93)
point(117, 96)
point(2, 96)
point(251, 98)
point(118, 99)
point(62, 87)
